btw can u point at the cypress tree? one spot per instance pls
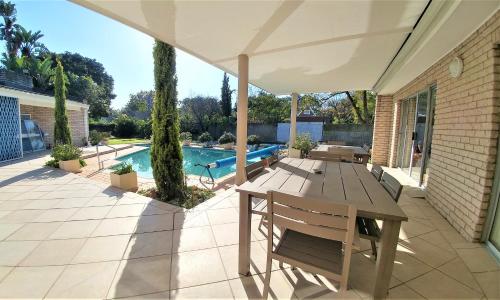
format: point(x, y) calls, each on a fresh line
point(226, 96)
point(62, 135)
point(166, 152)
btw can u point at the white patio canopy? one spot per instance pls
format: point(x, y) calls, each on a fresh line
point(306, 46)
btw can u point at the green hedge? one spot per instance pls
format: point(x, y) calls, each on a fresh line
point(102, 126)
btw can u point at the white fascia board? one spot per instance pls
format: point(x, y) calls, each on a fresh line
point(33, 99)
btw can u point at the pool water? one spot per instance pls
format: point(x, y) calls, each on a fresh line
point(141, 161)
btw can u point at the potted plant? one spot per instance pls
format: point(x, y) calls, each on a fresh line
point(253, 141)
point(124, 177)
point(227, 140)
point(186, 138)
point(67, 157)
point(302, 146)
point(205, 138)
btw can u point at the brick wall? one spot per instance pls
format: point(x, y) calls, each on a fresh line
point(382, 129)
point(44, 117)
point(466, 129)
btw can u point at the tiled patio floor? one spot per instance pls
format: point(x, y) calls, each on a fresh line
point(65, 236)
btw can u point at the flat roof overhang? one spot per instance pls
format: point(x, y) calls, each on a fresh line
point(309, 46)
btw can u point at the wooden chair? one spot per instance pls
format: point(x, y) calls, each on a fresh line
point(259, 206)
point(345, 154)
point(318, 236)
point(377, 171)
point(324, 155)
point(368, 228)
point(339, 143)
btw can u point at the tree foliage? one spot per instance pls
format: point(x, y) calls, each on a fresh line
point(199, 113)
point(267, 108)
point(140, 105)
point(225, 97)
point(62, 133)
point(166, 152)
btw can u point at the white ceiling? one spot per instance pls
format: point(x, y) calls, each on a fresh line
point(294, 46)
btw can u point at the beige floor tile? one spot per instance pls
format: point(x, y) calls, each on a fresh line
point(149, 244)
point(41, 204)
point(21, 216)
point(102, 249)
point(437, 285)
point(413, 228)
point(426, 252)
point(190, 219)
point(154, 223)
point(478, 259)
point(151, 209)
point(186, 268)
point(74, 229)
point(227, 234)
point(403, 292)
point(8, 229)
point(13, 252)
point(13, 205)
point(457, 270)
point(218, 290)
point(141, 276)
point(130, 210)
point(311, 286)
point(90, 213)
point(406, 267)
point(229, 255)
point(189, 239)
point(362, 275)
point(29, 282)
point(4, 271)
point(116, 226)
point(72, 203)
point(436, 238)
point(161, 295)
point(102, 201)
point(53, 253)
point(56, 215)
point(34, 231)
point(85, 281)
point(490, 283)
point(252, 287)
point(222, 216)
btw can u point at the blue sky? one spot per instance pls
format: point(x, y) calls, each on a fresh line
point(125, 52)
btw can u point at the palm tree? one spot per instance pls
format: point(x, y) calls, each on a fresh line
point(9, 27)
point(42, 73)
point(28, 42)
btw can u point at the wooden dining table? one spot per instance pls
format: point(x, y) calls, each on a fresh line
point(334, 181)
point(359, 152)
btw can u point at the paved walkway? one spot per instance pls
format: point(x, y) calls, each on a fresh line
point(62, 235)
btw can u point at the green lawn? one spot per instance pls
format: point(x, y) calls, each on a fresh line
point(117, 141)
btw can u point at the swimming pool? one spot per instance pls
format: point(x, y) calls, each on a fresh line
point(142, 164)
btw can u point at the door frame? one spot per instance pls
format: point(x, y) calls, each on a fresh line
point(492, 210)
point(428, 131)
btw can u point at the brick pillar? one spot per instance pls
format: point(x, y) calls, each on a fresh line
point(382, 129)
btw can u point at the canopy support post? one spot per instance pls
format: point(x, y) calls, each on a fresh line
point(241, 119)
point(293, 121)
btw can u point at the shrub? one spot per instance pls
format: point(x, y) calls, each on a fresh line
point(123, 168)
point(205, 137)
point(226, 138)
point(102, 126)
point(62, 134)
point(193, 196)
point(63, 152)
point(126, 127)
point(253, 140)
point(95, 137)
point(304, 143)
point(145, 128)
point(186, 136)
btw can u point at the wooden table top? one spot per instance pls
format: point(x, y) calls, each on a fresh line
point(338, 181)
point(357, 150)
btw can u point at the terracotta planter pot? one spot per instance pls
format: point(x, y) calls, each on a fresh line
point(228, 146)
point(294, 153)
point(70, 165)
point(125, 181)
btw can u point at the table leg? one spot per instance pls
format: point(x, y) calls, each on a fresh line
point(385, 259)
point(244, 232)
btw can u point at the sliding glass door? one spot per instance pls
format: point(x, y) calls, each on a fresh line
point(415, 133)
